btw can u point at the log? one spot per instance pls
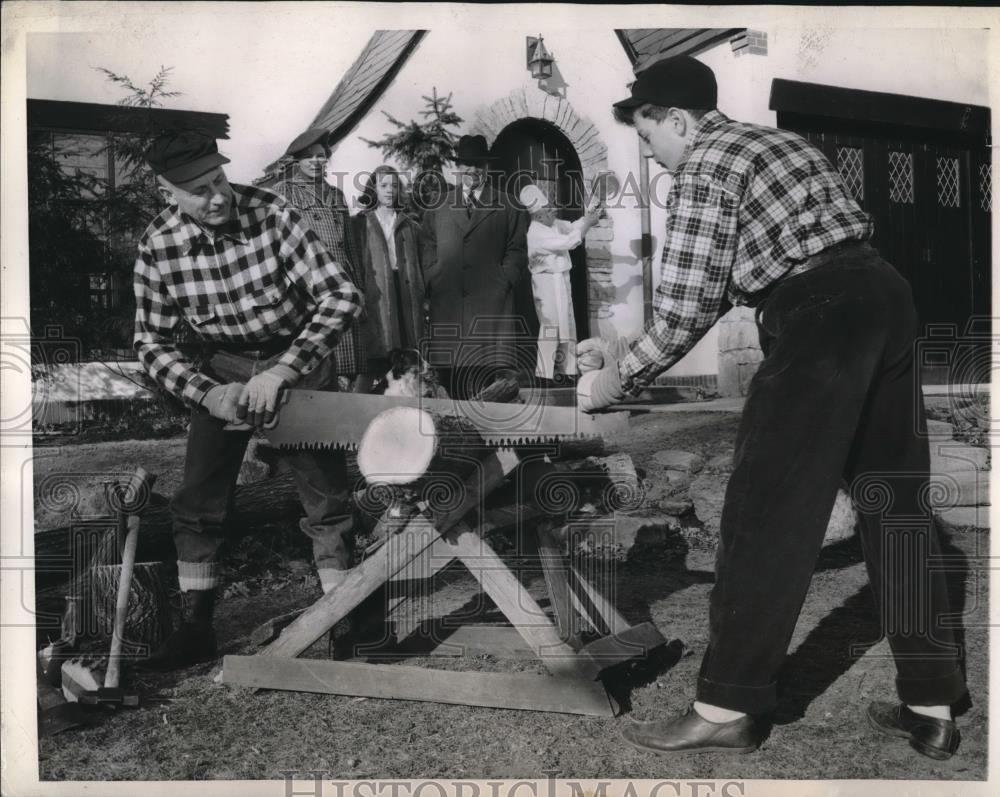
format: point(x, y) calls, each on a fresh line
point(273, 502)
point(405, 445)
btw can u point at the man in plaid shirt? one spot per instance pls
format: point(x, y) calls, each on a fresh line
point(236, 299)
point(759, 217)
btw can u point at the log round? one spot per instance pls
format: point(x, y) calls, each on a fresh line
point(398, 446)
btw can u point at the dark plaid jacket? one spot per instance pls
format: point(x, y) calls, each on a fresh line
point(745, 206)
point(264, 276)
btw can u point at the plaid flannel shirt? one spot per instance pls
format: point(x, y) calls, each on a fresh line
point(324, 208)
point(746, 205)
point(264, 276)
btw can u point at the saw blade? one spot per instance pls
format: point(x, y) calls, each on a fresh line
point(315, 419)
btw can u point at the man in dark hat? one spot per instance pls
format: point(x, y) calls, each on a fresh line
point(475, 252)
point(262, 303)
point(324, 208)
point(758, 216)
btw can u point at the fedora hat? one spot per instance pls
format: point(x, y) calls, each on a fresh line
point(472, 149)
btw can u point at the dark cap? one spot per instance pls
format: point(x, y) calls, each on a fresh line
point(184, 155)
point(472, 149)
point(678, 82)
point(314, 135)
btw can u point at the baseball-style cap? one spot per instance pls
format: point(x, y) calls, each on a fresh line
point(184, 155)
point(677, 82)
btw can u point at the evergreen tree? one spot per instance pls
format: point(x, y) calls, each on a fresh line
point(423, 147)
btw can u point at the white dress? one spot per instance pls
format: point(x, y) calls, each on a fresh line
point(550, 264)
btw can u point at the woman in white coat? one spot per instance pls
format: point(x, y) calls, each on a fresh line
point(549, 243)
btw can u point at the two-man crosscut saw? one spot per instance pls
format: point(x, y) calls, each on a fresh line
point(310, 419)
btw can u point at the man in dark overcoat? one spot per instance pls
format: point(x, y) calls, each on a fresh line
point(475, 251)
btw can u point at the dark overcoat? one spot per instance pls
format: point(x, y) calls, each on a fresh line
point(472, 263)
point(391, 324)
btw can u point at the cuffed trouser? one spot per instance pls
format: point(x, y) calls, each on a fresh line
point(836, 397)
point(202, 505)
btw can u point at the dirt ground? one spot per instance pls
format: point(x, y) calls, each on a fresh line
point(835, 666)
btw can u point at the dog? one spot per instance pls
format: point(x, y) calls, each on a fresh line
point(409, 374)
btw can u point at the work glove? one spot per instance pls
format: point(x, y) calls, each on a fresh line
point(259, 399)
point(220, 401)
point(596, 390)
point(593, 354)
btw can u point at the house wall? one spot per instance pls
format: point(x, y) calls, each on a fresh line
point(487, 77)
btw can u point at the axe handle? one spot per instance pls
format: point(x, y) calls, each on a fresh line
point(113, 672)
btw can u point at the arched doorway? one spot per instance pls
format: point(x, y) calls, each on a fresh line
point(534, 150)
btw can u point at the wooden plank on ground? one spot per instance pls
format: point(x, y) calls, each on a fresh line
point(400, 682)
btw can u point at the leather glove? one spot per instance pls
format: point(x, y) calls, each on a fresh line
point(593, 354)
point(596, 390)
point(259, 399)
point(220, 401)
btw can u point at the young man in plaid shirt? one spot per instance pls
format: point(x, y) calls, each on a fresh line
point(235, 299)
point(758, 216)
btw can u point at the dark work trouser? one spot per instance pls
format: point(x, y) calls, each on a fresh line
point(836, 397)
point(204, 500)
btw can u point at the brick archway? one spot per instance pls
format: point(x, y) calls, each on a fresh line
point(523, 103)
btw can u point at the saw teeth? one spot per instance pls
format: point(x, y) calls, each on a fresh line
point(314, 446)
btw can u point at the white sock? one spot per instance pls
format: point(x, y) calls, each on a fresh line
point(716, 713)
point(938, 712)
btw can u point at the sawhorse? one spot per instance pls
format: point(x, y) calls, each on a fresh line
point(421, 545)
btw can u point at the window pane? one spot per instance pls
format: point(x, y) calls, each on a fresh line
point(947, 182)
point(850, 164)
point(901, 177)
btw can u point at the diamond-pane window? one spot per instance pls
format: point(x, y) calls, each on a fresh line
point(851, 166)
point(947, 182)
point(986, 187)
point(901, 177)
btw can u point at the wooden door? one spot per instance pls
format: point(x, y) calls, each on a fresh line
point(929, 195)
point(534, 151)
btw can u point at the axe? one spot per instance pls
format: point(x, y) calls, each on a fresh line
point(77, 684)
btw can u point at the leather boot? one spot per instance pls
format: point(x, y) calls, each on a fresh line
point(194, 641)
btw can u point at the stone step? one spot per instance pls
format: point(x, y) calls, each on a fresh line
point(966, 516)
point(939, 430)
point(953, 457)
point(963, 488)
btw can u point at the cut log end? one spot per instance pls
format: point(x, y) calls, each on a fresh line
point(398, 446)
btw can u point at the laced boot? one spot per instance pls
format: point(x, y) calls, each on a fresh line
point(194, 641)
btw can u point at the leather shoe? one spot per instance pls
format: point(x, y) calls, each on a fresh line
point(692, 733)
point(935, 738)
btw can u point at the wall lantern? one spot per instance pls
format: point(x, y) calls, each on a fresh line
point(539, 60)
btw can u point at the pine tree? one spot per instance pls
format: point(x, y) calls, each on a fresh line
point(424, 147)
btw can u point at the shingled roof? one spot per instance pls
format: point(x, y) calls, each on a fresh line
point(645, 46)
point(363, 83)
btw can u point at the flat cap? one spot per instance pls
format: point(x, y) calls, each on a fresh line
point(179, 156)
point(677, 82)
